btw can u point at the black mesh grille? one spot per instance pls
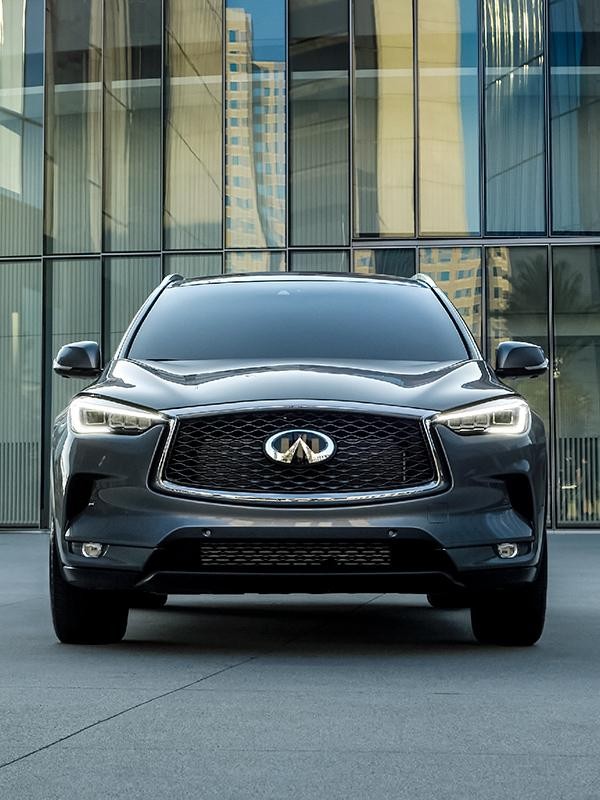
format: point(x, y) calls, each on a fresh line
point(298, 555)
point(226, 452)
point(290, 555)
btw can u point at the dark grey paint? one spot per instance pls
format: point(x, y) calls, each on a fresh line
point(470, 510)
point(164, 385)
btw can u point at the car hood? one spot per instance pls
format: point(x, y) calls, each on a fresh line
point(164, 385)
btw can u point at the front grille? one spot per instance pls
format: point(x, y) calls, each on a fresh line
point(298, 555)
point(321, 555)
point(225, 452)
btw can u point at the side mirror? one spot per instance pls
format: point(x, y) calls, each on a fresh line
point(78, 360)
point(520, 359)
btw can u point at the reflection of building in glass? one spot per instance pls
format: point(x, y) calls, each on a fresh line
point(457, 271)
point(255, 144)
point(514, 118)
point(575, 80)
point(576, 288)
point(193, 125)
point(319, 116)
point(384, 261)
point(518, 309)
point(499, 289)
point(254, 261)
point(21, 112)
point(448, 116)
point(517, 295)
point(383, 118)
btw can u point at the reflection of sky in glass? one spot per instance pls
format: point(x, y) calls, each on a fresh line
point(34, 38)
point(268, 24)
point(566, 34)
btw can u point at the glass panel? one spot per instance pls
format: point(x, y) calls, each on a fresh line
point(576, 276)
point(20, 378)
point(518, 311)
point(21, 140)
point(323, 261)
point(132, 68)
point(383, 118)
point(76, 315)
point(72, 213)
point(448, 117)
point(319, 122)
point(457, 271)
point(385, 262)
point(193, 141)
point(255, 123)
point(575, 111)
point(514, 116)
point(128, 282)
point(254, 261)
point(193, 265)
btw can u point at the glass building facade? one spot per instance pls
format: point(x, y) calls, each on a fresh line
point(460, 138)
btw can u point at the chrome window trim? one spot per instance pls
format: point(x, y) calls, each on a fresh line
point(331, 498)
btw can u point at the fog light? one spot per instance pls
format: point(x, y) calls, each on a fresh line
point(92, 549)
point(507, 550)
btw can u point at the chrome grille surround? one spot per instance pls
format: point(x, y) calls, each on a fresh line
point(300, 499)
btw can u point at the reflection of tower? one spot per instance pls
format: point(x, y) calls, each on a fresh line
point(269, 145)
point(499, 275)
point(457, 271)
point(255, 163)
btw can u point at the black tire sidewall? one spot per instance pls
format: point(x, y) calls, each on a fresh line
point(83, 616)
point(513, 616)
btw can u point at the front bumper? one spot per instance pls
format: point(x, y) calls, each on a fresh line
point(493, 492)
point(415, 563)
point(288, 583)
point(418, 561)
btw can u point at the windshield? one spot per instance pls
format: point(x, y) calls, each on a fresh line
point(301, 321)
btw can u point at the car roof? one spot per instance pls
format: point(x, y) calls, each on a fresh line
point(417, 281)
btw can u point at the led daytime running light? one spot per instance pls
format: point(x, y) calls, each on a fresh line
point(91, 415)
point(500, 416)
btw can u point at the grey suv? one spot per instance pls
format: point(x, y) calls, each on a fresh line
point(298, 433)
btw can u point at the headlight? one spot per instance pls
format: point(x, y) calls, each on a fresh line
point(496, 416)
point(91, 415)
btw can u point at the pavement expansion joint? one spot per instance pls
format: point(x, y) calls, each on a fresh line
point(126, 711)
point(183, 687)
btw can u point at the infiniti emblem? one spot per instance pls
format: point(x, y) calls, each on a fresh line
point(299, 444)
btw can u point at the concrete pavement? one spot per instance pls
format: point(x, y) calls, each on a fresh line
point(300, 697)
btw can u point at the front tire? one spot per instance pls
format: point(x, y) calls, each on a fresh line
point(514, 616)
point(84, 616)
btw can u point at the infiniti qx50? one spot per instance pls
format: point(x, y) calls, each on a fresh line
point(298, 433)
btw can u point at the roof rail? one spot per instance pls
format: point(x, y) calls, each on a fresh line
point(421, 277)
